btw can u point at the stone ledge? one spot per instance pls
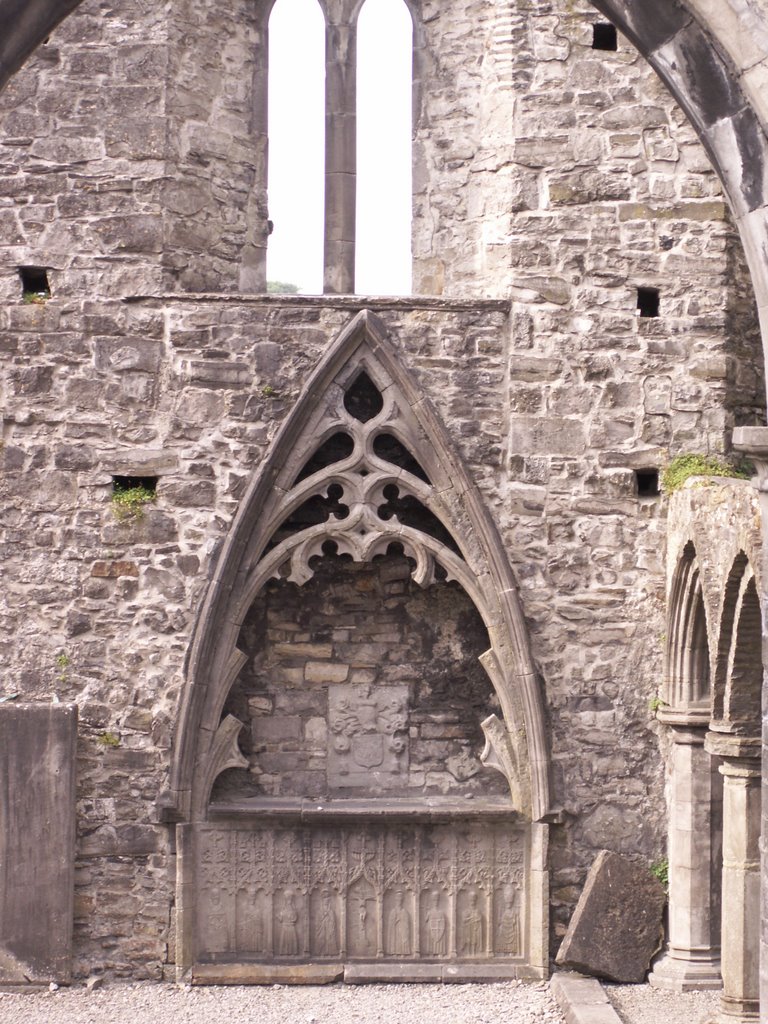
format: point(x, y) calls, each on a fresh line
point(425, 809)
point(266, 974)
point(355, 302)
point(581, 999)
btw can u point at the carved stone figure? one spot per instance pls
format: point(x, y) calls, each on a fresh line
point(250, 923)
point(472, 922)
point(509, 925)
point(436, 926)
point(218, 923)
point(327, 934)
point(363, 885)
point(288, 932)
point(399, 927)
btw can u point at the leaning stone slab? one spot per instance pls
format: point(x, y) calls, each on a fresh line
point(37, 841)
point(616, 927)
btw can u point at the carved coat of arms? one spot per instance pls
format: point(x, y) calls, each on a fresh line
point(367, 735)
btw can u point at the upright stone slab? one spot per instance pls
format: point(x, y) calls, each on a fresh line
point(616, 927)
point(37, 841)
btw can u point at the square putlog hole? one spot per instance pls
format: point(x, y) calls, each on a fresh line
point(647, 481)
point(604, 36)
point(35, 286)
point(648, 300)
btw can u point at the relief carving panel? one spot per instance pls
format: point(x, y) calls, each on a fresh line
point(439, 892)
point(368, 736)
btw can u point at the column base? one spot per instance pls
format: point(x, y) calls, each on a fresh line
point(736, 1011)
point(685, 975)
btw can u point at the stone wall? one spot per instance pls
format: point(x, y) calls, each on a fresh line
point(132, 155)
point(550, 173)
point(100, 612)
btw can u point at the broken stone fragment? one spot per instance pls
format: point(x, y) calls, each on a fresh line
point(616, 927)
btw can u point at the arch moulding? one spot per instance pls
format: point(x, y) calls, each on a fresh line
point(204, 744)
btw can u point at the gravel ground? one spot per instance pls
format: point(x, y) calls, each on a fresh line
point(641, 1004)
point(147, 1003)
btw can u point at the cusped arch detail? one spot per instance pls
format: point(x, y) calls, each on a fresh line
point(419, 497)
point(687, 683)
point(738, 666)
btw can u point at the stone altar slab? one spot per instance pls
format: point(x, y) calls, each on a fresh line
point(378, 893)
point(37, 841)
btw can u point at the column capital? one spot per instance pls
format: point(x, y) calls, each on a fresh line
point(734, 748)
point(688, 725)
point(753, 442)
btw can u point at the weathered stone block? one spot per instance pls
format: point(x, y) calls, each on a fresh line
point(37, 841)
point(616, 927)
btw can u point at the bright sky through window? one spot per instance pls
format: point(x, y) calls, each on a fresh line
point(297, 141)
point(296, 144)
point(384, 76)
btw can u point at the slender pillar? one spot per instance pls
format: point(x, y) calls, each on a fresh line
point(340, 151)
point(740, 768)
point(753, 442)
point(692, 958)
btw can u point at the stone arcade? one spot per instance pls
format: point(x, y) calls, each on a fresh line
point(365, 688)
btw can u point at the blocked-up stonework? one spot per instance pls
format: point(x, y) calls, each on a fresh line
point(342, 625)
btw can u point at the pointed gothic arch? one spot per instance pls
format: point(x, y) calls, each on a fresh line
point(468, 550)
point(687, 678)
point(738, 668)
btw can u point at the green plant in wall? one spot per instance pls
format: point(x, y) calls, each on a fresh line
point(128, 503)
point(660, 870)
point(35, 298)
point(655, 703)
point(108, 739)
point(684, 466)
point(63, 661)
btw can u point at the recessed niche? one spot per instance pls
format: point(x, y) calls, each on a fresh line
point(647, 302)
point(130, 483)
point(647, 481)
point(604, 36)
point(34, 283)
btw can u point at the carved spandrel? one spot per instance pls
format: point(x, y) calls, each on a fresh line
point(327, 865)
point(475, 859)
point(367, 736)
point(406, 893)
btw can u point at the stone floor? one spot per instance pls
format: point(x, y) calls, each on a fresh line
point(510, 1002)
point(641, 1004)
